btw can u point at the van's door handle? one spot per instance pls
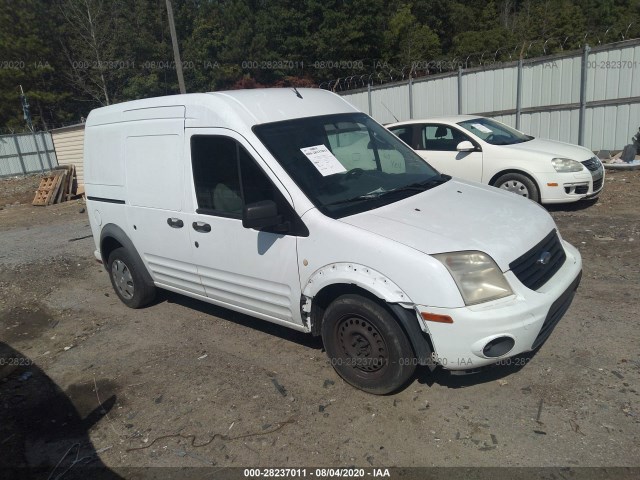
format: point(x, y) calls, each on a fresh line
point(201, 227)
point(175, 222)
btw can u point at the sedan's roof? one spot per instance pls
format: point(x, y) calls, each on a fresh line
point(442, 119)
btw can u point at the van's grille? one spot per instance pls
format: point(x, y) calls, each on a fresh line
point(556, 312)
point(593, 164)
point(538, 265)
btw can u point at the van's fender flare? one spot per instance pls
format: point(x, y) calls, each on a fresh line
point(352, 273)
point(114, 231)
point(382, 287)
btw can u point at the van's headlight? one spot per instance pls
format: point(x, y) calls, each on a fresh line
point(477, 276)
point(564, 165)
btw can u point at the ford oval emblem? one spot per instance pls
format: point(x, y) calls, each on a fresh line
point(544, 258)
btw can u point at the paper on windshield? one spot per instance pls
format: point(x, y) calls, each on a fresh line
point(481, 127)
point(323, 160)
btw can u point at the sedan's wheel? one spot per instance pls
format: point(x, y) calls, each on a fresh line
point(366, 345)
point(518, 184)
point(127, 280)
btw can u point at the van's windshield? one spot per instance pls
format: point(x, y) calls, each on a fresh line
point(347, 163)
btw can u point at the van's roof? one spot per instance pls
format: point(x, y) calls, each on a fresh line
point(229, 109)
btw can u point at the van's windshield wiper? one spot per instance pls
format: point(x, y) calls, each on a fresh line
point(366, 196)
point(421, 186)
point(418, 186)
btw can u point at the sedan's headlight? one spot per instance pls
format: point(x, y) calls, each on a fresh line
point(564, 165)
point(477, 276)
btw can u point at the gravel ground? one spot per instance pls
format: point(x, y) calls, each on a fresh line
point(183, 383)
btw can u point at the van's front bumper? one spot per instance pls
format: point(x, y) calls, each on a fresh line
point(527, 318)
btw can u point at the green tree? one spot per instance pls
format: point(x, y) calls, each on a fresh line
point(29, 59)
point(406, 41)
point(142, 51)
point(204, 47)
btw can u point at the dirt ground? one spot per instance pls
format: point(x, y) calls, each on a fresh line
point(183, 383)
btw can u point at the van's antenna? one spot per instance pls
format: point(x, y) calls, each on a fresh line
point(297, 92)
point(390, 111)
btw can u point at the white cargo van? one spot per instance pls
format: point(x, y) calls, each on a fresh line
point(294, 207)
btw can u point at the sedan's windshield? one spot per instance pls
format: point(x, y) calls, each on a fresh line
point(347, 163)
point(494, 132)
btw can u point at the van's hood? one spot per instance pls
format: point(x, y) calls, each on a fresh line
point(552, 149)
point(459, 215)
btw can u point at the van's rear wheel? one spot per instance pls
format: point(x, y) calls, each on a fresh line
point(366, 345)
point(127, 280)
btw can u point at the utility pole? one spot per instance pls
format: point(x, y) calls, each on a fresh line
point(25, 109)
point(176, 51)
point(27, 118)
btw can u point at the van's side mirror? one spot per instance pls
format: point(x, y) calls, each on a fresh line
point(261, 215)
point(465, 146)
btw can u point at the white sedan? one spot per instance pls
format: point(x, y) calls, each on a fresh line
point(487, 151)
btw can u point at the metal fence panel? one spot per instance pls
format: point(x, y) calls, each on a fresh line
point(489, 90)
point(551, 82)
point(9, 166)
point(435, 97)
point(629, 81)
point(26, 153)
point(359, 100)
point(390, 103)
point(507, 119)
point(559, 125)
point(614, 74)
point(552, 91)
point(610, 126)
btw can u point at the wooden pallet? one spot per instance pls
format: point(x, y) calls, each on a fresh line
point(72, 184)
point(59, 187)
point(48, 189)
point(59, 197)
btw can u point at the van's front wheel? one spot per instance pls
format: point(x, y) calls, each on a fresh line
point(366, 345)
point(127, 280)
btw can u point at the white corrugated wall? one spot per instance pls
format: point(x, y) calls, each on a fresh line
point(69, 145)
point(613, 74)
point(390, 104)
point(435, 97)
point(550, 96)
point(360, 100)
point(489, 90)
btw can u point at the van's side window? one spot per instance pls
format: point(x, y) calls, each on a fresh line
point(226, 177)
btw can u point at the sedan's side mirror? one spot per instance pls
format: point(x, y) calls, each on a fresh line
point(465, 146)
point(261, 215)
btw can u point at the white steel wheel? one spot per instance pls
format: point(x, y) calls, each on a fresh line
point(125, 273)
point(122, 279)
point(519, 184)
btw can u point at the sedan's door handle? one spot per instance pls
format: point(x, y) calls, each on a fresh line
point(201, 227)
point(175, 223)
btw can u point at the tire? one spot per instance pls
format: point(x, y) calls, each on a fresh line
point(519, 184)
point(352, 325)
point(126, 277)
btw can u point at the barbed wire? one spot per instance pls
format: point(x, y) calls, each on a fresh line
point(381, 72)
point(17, 131)
point(23, 130)
point(386, 73)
